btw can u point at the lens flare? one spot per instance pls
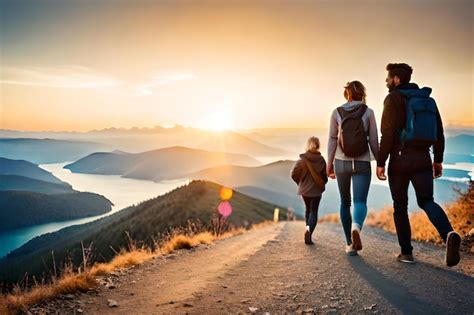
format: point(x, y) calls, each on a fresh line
point(225, 209)
point(226, 193)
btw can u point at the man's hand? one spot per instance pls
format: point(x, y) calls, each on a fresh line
point(381, 173)
point(330, 172)
point(437, 170)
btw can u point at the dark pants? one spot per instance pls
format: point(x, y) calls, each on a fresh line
point(414, 167)
point(311, 214)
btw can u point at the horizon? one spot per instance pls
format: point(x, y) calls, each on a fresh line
point(78, 66)
point(169, 127)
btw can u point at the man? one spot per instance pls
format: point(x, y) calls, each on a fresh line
point(410, 159)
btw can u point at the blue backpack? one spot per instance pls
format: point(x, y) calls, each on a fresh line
point(421, 125)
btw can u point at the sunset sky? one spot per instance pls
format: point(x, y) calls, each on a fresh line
point(81, 65)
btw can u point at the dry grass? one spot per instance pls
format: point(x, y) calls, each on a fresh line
point(19, 300)
point(330, 218)
point(460, 214)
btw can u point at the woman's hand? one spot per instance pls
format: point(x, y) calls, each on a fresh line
point(330, 172)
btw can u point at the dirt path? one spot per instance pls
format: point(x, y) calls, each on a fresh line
point(271, 270)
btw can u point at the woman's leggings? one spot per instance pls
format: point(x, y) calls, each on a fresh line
point(311, 214)
point(360, 173)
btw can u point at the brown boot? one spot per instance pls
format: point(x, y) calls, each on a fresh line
point(307, 238)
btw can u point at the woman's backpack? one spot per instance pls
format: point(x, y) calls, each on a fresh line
point(353, 138)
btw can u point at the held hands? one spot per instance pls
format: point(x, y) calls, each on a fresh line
point(381, 173)
point(437, 170)
point(330, 172)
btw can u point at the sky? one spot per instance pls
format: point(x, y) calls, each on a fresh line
point(82, 65)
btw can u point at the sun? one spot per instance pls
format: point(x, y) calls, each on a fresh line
point(218, 121)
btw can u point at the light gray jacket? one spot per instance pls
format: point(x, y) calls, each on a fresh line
point(370, 126)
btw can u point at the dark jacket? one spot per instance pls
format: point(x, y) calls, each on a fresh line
point(301, 175)
point(393, 120)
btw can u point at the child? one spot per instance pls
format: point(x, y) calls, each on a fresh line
point(309, 172)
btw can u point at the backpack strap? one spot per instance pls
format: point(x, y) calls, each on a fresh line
point(317, 179)
point(356, 113)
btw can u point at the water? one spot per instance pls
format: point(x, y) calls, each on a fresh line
point(123, 192)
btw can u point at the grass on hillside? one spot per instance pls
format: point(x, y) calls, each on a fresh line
point(84, 279)
point(460, 214)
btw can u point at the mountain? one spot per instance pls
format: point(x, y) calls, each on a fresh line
point(15, 182)
point(26, 169)
point(461, 144)
point(167, 163)
point(23, 208)
point(43, 151)
point(272, 183)
point(145, 139)
point(145, 222)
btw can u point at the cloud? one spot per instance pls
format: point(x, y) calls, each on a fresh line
point(147, 88)
point(73, 77)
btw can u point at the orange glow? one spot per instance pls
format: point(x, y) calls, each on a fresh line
point(226, 193)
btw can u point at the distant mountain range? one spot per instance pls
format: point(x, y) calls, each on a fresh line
point(43, 151)
point(30, 195)
point(461, 144)
point(145, 139)
point(265, 142)
point(167, 163)
point(145, 221)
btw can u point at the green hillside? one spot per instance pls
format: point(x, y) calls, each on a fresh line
point(16, 182)
point(197, 200)
point(25, 208)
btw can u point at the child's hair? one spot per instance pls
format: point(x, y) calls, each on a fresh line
point(312, 145)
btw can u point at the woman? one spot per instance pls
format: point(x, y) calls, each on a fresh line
point(309, 172)
point(352, 132)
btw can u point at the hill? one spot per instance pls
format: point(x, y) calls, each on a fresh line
point(167, 163)
point(43, 151)
point(15, 182)
point(145, 222)
point(23, 208)
point(272, 183)
point(26, 169)
point(460, 144)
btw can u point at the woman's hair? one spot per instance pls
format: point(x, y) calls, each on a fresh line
point(355, 91)
point(312, 145)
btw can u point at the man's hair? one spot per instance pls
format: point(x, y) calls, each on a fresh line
point(401, 70)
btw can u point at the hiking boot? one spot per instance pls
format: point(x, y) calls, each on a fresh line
point(350, 250)
point(356, 241)
point(406, 258)
point(307, 238)
point(453, 242)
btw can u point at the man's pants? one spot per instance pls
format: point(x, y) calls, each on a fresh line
point(414, 167)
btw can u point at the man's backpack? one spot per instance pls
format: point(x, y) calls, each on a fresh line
point(353, 138)
point(421, 125)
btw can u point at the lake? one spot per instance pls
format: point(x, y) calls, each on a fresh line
point(123, 192)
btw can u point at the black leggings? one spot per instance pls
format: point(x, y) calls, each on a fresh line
point(311, 215)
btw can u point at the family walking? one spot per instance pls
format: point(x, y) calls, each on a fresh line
point(410, 126)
